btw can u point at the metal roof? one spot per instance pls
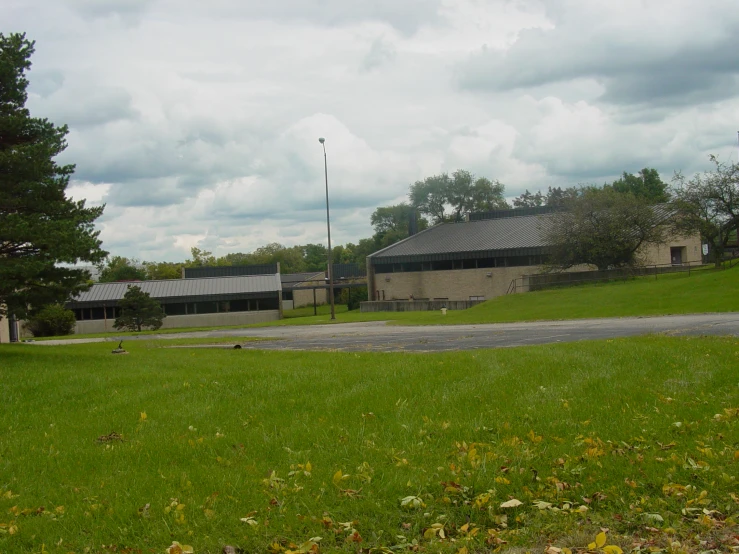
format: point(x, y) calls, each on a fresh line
point(229, 270)
point(512, 236)
point(182, 290)
point(290, 280)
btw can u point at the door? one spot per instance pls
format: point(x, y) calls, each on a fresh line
point(676, 254)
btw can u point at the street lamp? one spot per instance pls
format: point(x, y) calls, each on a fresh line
point(328, 226)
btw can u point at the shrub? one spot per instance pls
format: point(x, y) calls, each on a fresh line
point(52, 320)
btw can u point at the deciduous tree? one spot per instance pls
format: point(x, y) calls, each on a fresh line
point(41, 228)
point(709, 203)
point(647, 184)
point(603, 228)
point(118, 268)
point(463, 192)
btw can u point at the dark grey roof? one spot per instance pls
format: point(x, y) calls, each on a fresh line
point(229, 270)
point(511, 236)
point(183, 290)
point(292, 279)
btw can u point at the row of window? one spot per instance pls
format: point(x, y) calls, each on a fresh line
point(186, 308)
point(476, 263)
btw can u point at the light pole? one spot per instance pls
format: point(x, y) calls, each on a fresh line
point(328, 226)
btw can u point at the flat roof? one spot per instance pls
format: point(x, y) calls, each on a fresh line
point(183, 290)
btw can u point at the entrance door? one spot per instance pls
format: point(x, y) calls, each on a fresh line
point(676, 254)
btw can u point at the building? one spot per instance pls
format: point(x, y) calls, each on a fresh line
point(478, 259)
point(204, 302)
point(304, 289)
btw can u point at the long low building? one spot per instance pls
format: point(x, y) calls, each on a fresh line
point(478, 259)
point(212, 301)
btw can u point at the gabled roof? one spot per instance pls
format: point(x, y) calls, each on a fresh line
point(182, 290)
point(501, 233)
point(510, 236)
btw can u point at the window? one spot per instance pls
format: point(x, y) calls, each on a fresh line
point(474, 298)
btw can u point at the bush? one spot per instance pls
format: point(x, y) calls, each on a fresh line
point(354, 296)
point(51, 321)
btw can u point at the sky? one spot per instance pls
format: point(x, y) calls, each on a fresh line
point(197, 123)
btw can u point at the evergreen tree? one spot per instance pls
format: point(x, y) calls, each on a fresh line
point(139, 310)
point(40, 227)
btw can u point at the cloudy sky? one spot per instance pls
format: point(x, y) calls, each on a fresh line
point(196, 122)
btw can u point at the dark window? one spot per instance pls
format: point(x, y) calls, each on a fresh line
point(287, 295)
point(174, 309)
point(240, 305)
point(98, 313)
point(207, 307)
point(269, 304)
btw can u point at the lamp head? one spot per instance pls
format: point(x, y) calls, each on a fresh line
point(321, 140)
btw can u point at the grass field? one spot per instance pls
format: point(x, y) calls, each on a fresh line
point(283, 452)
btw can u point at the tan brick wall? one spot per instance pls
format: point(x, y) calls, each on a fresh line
point(660, 254)
point(4, 330)
point(302, 298)
point(456, 284)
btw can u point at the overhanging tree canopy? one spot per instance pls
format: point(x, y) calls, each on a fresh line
point(604, 228)
point(40, 227)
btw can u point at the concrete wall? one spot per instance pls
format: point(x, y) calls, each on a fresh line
point(455, 284)
point(195, 320)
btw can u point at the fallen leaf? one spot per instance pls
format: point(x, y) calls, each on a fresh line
point(513, 503)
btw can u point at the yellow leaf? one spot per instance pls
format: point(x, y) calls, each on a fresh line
point(502, 481)
point(462, 550)
point(566, 551)
point(339, 477)
point(308, 467)
point(612, 549)
point(143, 416)
point(429, 533)
point(591, 546)
point(600, 539)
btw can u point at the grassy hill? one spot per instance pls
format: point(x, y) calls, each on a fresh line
point(702, 291)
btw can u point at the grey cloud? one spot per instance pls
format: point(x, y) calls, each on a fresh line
point(155, 192)
point(380, 53)
point(407, 16)
point(45, 82)
point(662, 68)
point(89, 107)
point(129, 11)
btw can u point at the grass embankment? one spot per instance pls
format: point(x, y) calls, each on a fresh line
point(271, 450)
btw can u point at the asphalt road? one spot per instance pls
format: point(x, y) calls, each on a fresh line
point(377, 336)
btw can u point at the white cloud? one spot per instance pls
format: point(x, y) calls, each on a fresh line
point(197, 123)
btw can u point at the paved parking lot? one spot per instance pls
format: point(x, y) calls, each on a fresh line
point(377, 336)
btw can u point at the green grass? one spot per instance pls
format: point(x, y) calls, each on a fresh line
point(636, 435)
